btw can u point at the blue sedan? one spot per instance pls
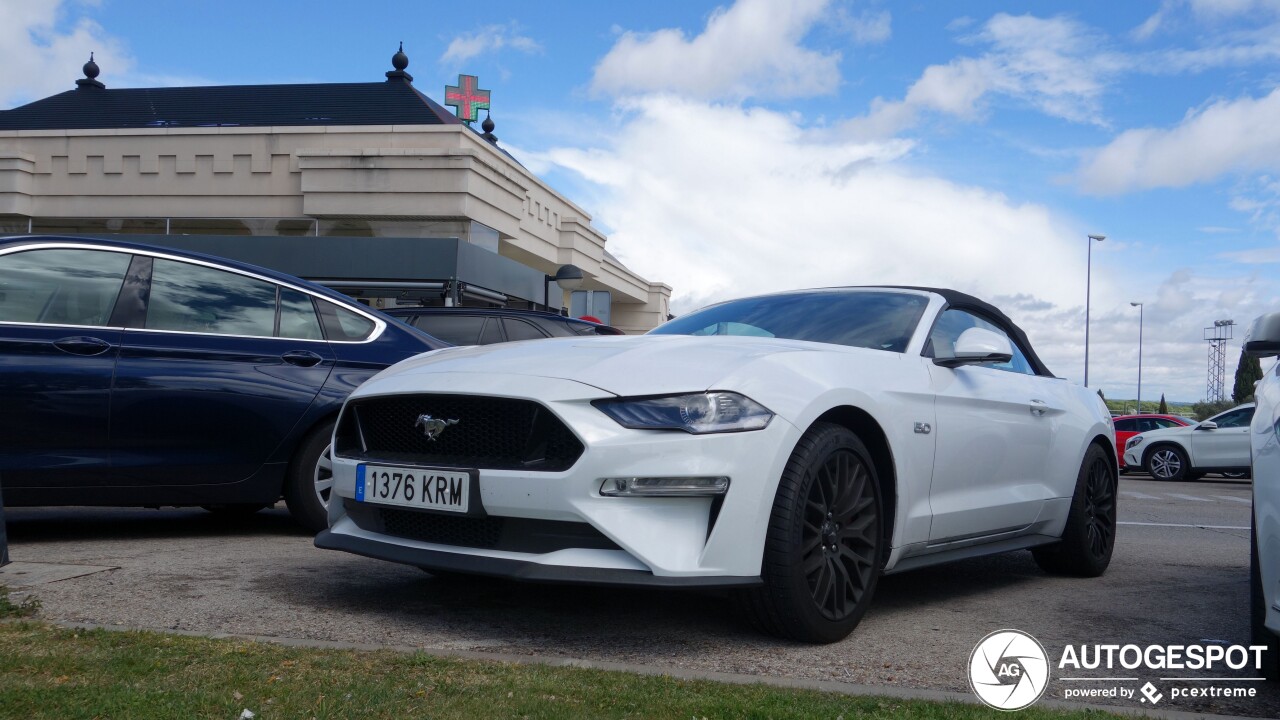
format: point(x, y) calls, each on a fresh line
point(133, 375)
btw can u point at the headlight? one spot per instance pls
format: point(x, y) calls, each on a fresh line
point(697, 413)
point(1133, 442)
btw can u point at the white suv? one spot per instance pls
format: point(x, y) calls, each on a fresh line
point(1264, 578)
point(1218, 445)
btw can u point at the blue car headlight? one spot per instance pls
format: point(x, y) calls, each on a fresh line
point(697, 413)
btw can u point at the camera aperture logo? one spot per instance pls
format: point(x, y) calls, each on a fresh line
point(1009, 670)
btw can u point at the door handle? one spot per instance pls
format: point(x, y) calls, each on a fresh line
point(82, 345)
point(1038, 407)
point(302, 358)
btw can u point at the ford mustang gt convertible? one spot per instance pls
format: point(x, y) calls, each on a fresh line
point(791, 447)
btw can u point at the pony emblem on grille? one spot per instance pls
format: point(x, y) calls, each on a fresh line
point(432, 427)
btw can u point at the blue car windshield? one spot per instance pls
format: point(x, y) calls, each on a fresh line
point(865, 319)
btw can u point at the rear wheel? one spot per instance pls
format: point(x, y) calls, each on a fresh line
point(1167, 462)
point(309, 482)
point(824, 550)
point(1090, 534)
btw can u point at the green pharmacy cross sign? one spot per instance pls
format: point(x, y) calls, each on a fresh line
point(466, 98)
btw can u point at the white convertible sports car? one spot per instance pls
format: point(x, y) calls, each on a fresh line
point(793, 447)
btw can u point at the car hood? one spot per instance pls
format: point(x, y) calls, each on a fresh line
point(622, 365)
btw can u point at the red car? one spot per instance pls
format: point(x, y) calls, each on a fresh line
point(1129, 425)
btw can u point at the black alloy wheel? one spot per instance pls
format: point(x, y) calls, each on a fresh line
point(1100, 508)
point(838, 540)
point(1089, 536)
point(824, 547)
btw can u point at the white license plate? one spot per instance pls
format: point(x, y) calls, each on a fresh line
point(414, 487)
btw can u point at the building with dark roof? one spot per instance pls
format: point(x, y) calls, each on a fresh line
point(234, 169)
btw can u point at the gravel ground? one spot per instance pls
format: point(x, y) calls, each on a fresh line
point(187, 570)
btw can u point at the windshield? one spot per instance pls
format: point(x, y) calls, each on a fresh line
point(876, 320)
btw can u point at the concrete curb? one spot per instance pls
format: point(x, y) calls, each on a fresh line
point(832, 686)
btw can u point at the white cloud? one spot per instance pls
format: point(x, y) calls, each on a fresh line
point(1056, 65)
point(867, 27)
point(42, 50)
point(1227, 136)
point(752, 49)
point(488, 39)
point(722, 201)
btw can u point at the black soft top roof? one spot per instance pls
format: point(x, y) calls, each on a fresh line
point(962, 301)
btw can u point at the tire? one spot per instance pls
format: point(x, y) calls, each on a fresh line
point(1257, 612)
point(1235, 475)
point(309, 481)
point(1090, 533)
point(828, 497)
point(234, 510)
point(1167, 462)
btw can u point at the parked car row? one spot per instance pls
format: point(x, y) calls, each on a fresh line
point(786, 447)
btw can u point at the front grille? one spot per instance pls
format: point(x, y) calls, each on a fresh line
point(489, 533)
point(491, 433)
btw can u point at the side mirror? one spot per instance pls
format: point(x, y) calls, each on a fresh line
point(1207, 425)
point(976, 346)
point(1263, 338)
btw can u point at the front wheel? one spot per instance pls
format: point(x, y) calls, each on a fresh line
point(1090, 532)
point(309, 482)
point(1168, 462)
point(823, 551)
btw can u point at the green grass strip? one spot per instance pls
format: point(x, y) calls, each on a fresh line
point(52, 672)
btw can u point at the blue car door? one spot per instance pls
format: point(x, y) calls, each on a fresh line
point(212, 379)
point(58, 348)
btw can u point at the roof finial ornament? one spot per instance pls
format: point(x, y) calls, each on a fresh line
point(488, 126)
point(90, 79)
point(399, 61)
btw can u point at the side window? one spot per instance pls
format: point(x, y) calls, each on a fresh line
point(195, 298)
point(343, 325)
point(1126, 426)
point(1145, 425)
point(1165, 423)
point(952, 323)
point(61, 287)
point(298, 316)
point(521, 330)
point(453, 329)
point(1235, 418)
point(492, 332)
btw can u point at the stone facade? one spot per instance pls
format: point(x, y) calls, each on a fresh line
point(373, 172)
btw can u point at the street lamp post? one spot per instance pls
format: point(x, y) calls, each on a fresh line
point(1140, 312)
point(567, 277)
point(1088, 288)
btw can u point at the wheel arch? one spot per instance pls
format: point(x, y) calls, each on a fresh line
point(1109, 447)
point(862, 424)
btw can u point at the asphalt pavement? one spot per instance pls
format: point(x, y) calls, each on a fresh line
point(1179, 577)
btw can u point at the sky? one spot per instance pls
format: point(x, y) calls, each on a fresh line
point(736, 148)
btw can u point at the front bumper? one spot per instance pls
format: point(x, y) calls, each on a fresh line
point(1133, 457)
point(653, 541)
